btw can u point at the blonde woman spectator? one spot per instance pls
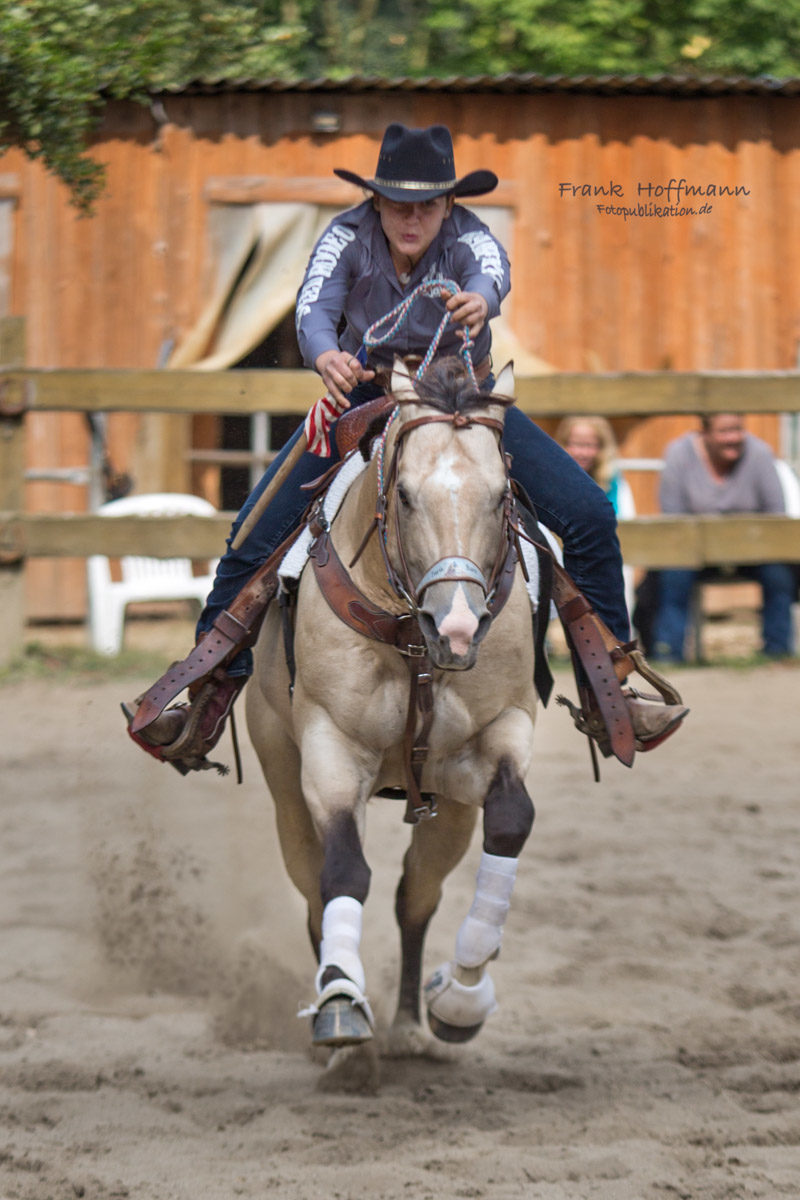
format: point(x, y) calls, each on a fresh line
point(591, 442)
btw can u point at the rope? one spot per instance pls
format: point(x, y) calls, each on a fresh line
point(430, 287)
point(381, 451)
point(395, 318)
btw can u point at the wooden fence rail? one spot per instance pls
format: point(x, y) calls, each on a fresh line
point(646, 541)
point(634, 393)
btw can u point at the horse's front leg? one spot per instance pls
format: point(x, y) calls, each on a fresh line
point(460, 994)
point(336, 786)
point(436, 847)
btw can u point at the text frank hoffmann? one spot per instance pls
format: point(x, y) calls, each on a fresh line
point(653, 199)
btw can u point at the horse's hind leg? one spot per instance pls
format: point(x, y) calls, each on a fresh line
point(436, 847)
point(460, 994)
point(301, 848)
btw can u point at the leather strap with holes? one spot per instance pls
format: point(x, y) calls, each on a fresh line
point(605, 663)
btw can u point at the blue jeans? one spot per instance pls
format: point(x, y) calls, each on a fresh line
point(675, 590)
point(565, 498)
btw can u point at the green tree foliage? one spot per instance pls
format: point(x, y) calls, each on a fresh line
point(61, 59)
point(594, 37)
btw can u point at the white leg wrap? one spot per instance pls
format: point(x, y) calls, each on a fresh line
point(481, 930)
point(458, 1003)
point(341, 938)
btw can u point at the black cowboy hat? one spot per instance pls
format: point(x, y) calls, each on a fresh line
point(417, 164)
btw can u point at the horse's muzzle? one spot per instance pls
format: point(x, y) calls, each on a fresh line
point(454, 619)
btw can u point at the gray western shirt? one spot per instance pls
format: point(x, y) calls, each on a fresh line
point(351, 275)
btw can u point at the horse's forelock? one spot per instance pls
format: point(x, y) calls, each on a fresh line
point(448, 387)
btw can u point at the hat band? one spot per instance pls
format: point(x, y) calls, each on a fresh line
point(414, 184)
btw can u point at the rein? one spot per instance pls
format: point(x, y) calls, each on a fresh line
point(396, 316)
point(453, 567)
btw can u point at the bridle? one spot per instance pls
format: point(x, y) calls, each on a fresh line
point(452, 567)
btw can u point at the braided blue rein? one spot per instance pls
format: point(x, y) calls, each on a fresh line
point(395, 318)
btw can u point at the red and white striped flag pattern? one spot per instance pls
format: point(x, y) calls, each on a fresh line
point(318, 425)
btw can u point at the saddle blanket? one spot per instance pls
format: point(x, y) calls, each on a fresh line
point(291, 567)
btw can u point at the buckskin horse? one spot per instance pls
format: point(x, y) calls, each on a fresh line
point(413, 672)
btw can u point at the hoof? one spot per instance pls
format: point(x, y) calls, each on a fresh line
point(452, 1033)
point(456, 1010)
point(340, 1022)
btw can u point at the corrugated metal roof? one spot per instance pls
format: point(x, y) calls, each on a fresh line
point(661, 85)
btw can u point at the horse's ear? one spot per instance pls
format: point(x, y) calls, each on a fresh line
point(504, 384)
point(402, 387)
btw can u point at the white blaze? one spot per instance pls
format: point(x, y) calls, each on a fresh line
point(447, 478)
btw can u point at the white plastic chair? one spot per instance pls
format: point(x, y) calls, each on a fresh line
point(143, 579)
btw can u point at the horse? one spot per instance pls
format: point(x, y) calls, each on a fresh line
point(413, 672)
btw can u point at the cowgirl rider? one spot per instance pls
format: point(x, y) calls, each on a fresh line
point(409, 229)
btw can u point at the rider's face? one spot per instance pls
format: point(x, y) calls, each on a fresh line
point(411, 226)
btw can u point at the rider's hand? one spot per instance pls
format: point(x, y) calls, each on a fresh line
point(340, 373)
point(470, 309)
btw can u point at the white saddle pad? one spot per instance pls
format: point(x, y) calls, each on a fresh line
point(297, 556)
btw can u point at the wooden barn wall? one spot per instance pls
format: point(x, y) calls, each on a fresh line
point(592, 291)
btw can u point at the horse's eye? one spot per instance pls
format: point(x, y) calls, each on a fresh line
point(402, 496)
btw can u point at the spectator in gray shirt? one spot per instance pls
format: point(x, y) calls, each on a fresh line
point(722, 469)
